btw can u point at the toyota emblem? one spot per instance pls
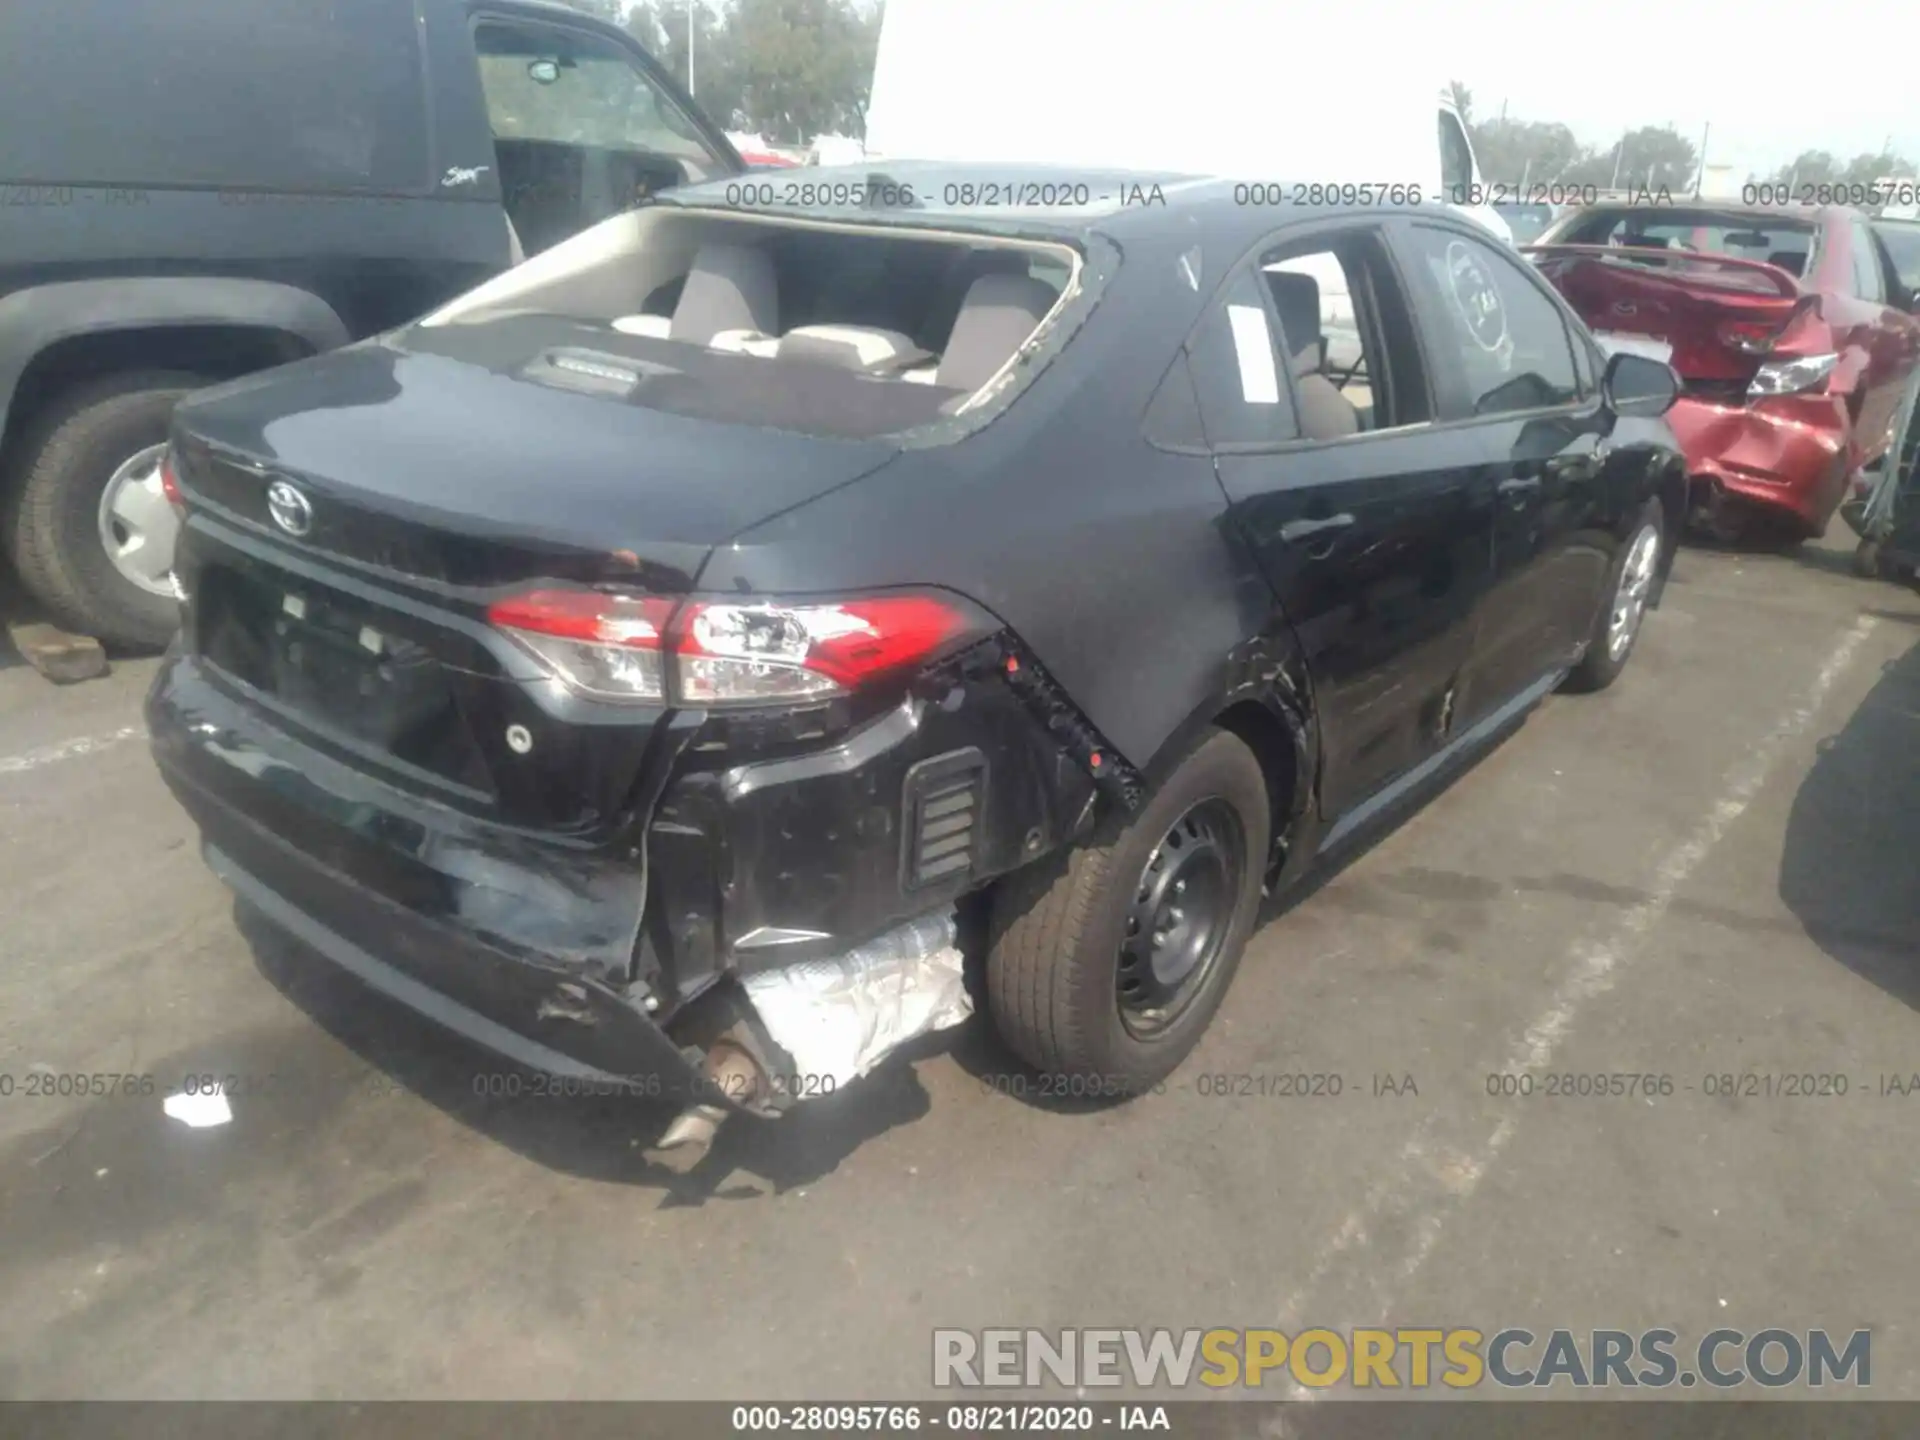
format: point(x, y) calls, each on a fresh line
point(291, 510)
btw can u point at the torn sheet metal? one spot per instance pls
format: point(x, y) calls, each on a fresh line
point(840, 1017)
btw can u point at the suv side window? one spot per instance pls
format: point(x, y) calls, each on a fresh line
point(1236, 369)
point(1487, 320)
point(248, 94)
point(1867, 283)
point(567, 87)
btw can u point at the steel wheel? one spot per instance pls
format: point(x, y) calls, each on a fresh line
point(1178, 922)
point(137, 525)
point(1630, 598)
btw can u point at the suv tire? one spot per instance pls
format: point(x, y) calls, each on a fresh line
point(1071, 934)
point(69, 454)
point(1608, 650)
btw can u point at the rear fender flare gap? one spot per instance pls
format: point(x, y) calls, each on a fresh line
point(1268, 703)
point(1113, 775)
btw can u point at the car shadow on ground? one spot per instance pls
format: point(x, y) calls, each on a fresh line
point(1851, 860)
point(599, 1137)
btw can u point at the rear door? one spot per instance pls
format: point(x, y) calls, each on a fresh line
point(1371, 525)
point(1514, 376)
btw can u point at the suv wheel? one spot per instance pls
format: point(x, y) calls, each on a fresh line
point(92, 534)
point(1108, 963)
point(1629, 583)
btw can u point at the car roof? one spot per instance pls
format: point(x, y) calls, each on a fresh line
point(1117, 203)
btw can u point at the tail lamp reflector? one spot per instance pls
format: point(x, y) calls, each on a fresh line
point(620, 647)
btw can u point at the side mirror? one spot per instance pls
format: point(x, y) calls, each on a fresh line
point(1639, 385)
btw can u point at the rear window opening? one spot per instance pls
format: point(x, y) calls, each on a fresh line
point(1785, 243)
point(823, 327)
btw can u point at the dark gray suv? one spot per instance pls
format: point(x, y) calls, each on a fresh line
point(192, 192)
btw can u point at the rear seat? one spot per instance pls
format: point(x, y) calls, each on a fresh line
point(730, 290)
point(853, 347)
point(730, 302)
point(995, 319)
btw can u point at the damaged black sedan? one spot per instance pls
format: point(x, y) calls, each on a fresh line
point(632, 664)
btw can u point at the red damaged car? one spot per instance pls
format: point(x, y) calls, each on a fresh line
point(1790, 329)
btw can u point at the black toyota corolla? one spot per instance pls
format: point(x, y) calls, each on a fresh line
point(735, 584)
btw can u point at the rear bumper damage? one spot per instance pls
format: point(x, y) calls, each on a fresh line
point(1790, 454)
point(785, 906)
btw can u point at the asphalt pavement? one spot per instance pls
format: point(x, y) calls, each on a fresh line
point(1707, 871)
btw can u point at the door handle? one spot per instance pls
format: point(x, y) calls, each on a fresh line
point(1302, 529)
point(1519, 485)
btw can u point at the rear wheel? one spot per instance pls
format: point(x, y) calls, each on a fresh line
point(91, 532)
point(1107, 964)
point(1629, 585)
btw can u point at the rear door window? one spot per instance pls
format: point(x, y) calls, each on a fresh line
point(1237, 370)
point(304, 95)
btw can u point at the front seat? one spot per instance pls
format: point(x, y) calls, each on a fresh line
point(1325, 414)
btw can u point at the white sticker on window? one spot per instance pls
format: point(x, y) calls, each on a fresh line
point(1253, 345)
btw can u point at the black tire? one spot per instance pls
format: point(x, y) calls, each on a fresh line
point(66, 457)
point(1600, 667)
point(1057, 930)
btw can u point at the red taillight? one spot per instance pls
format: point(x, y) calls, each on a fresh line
point(587, 615)
point(606, 646)
point(169, 483)
point(725, 652)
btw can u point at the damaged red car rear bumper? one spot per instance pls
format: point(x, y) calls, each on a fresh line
point(1789, 454)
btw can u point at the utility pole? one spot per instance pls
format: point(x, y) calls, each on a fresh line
point(689, 47)
point(1619, 157)
point(1700, 181)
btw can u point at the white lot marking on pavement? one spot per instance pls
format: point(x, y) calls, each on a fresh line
point(1425, 1166)
point(65, 750)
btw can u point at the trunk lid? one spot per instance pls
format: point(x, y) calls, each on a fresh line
point(424, 487)
point(1720, 317)
point(491, 476)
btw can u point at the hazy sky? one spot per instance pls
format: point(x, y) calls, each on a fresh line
point(1773, 78)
